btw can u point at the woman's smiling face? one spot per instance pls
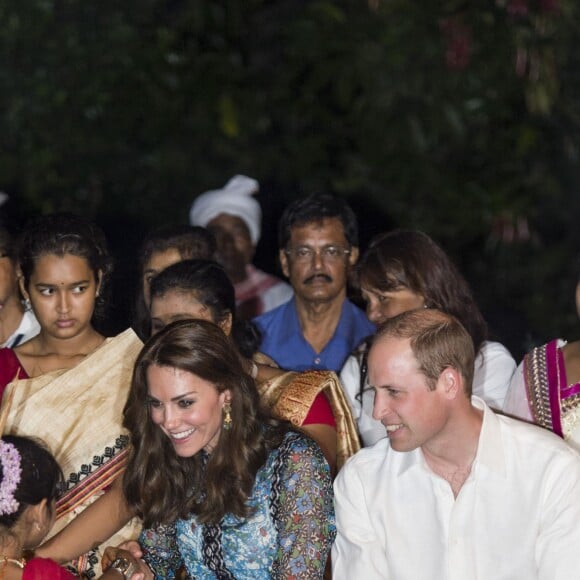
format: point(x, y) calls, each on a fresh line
point(187, 408)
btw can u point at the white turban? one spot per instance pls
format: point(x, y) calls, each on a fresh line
point(234, 199)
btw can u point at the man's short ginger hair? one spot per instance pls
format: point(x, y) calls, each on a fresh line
point(438, 341)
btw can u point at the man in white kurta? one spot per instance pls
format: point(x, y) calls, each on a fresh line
point(456, 492)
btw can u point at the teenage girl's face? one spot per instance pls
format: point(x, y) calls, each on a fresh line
point(181, 305)
point(384, 305)
point(62, 292)
point(157, 263)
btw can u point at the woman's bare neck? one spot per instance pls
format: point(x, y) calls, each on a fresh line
point(44, 354)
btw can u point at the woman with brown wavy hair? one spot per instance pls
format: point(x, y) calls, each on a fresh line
point(403, 270)
point(223, 491)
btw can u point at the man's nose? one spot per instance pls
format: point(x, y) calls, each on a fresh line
point(317, 259)
point(381, 407)
point(224, 240)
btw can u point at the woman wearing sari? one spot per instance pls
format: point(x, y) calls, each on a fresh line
point(68, 385)
point(545, 388)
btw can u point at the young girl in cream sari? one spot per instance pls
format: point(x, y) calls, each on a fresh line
point(68, 385)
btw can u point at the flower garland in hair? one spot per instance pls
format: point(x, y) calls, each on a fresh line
point(11, 472)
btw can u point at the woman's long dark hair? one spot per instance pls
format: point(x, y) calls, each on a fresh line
point(408, 259)
point(160, 485)
point(412, 260)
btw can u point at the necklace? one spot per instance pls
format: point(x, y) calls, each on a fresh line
point(20, 562)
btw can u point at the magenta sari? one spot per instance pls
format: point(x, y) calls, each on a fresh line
point(554, 404)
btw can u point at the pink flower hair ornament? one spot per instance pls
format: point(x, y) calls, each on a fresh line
point(11, 473)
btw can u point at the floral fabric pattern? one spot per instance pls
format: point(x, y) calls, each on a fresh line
point(288, 536)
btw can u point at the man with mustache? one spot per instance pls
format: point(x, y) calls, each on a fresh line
point(319, 327)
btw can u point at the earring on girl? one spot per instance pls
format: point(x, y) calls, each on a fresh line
point(227, 416)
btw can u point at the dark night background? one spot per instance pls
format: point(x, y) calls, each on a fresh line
point(458, 118)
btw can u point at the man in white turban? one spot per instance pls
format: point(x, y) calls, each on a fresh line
point(234, 216)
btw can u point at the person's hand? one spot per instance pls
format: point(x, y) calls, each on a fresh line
point(133, 547)
point(113, 552)
point(130, 551)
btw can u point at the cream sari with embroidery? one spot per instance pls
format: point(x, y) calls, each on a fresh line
point(78, 413)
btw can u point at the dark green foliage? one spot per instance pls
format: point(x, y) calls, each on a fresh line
point(460, 118)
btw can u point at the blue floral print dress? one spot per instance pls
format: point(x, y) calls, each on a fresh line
point(288, 536)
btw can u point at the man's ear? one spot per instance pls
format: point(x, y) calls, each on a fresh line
point(284, 263)
point(353, 256)
point(451, 382)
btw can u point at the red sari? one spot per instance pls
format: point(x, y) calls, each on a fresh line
point(43, 569)
point(10, 368)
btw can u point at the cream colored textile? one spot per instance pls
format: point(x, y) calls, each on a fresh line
point(78, 413)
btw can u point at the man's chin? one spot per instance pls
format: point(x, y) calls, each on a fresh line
point(319, 297)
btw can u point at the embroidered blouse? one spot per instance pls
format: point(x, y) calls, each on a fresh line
point(289, 534)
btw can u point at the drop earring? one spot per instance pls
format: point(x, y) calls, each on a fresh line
point(227, 416)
